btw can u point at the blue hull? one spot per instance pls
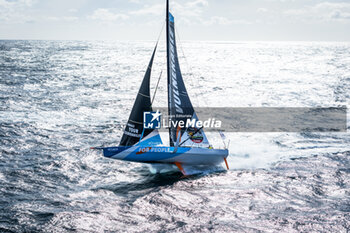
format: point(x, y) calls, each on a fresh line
point(167, 155)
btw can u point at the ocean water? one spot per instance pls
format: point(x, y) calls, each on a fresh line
point(59, 98)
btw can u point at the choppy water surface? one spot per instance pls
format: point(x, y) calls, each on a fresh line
point(59, 98)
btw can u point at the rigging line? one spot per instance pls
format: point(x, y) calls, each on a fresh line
point(187, 63)
point(160, 34)
point(160, 76)
point(155, 91)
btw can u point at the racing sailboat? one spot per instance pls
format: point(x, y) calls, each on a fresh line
point(189, 146)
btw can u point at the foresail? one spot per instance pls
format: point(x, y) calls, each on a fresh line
point(153, 139)
point(180, 106)
point(134, 129)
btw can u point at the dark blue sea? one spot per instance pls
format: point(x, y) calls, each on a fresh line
point(59, 98)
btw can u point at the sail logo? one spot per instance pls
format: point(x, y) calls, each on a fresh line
point(174, 86)
point(152, 120)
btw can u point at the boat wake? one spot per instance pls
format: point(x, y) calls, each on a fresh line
point(189, 169)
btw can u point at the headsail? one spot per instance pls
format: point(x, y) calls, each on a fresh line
point(134, 129)
point(179, 103)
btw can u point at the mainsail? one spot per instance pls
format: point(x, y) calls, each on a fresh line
point(179, 103)
point(134, 130)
